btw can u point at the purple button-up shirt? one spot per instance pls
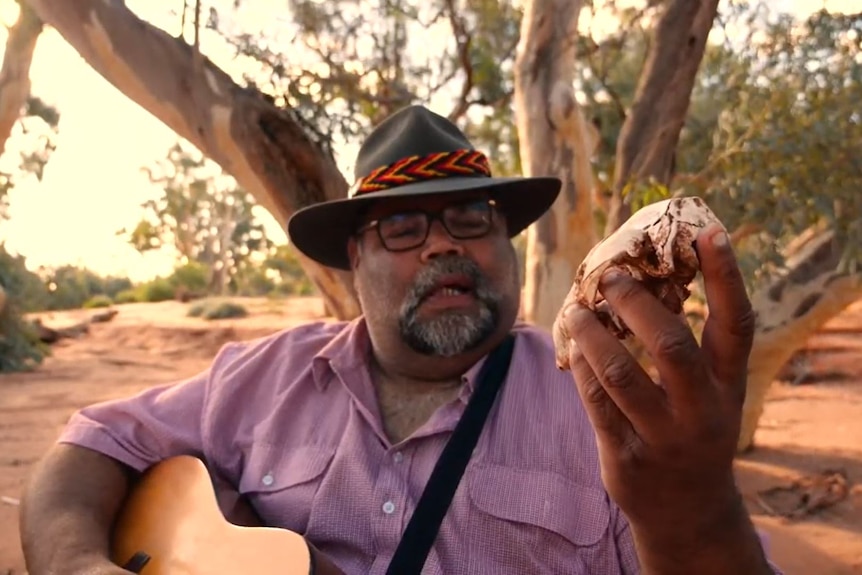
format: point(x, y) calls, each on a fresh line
point(292, 421)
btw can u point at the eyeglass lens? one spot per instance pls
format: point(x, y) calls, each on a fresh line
point(406, 230)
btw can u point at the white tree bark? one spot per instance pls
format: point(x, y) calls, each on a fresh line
point(789, 311)
point(556, 140)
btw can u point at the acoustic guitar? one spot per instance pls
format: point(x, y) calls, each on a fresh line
point(171, 524)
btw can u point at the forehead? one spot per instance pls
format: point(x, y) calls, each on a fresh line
point(426, 202)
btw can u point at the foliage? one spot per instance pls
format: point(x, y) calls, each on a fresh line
point(192, 276)
point(768, 126)
point(25, 287)
point(197, 309)
point(769, 136)
point(202, 214)
point(210, 310)
point(33, 136)
point(291, 279)
point(25, 154)
point(783, 154)
point(98, 301)
point(20, 349)
point(607, 72)
point(254, 279)
point(361, 61)
point(128, 296)
point(69, 287)
point(156, 290)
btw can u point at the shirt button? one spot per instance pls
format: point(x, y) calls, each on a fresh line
point(267, 479)
point(388, 508)
point(398, 457)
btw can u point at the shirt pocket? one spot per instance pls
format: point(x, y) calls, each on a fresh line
point(282, 482)
point(531, 521)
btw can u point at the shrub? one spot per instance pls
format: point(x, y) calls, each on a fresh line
point(100, 300)
point(225, 310)
point(155, 290)
point(197, 310)
point(193, 276)
point(210, 310)
point(20, 348)
point(127, 296)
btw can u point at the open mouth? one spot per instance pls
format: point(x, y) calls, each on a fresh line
point(451, 289)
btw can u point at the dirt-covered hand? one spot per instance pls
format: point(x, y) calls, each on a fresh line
point(667, 447)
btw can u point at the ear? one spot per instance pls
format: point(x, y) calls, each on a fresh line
point(353, 252)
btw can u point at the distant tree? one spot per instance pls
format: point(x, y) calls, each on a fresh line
point(69, 286)
point(283, 261)
point(202, 214)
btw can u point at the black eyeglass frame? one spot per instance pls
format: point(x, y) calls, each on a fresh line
point(430, 216)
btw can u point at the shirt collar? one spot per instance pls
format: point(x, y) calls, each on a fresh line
point(347, 350)
point(350, 348)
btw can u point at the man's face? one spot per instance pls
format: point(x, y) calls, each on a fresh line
point(447, 294)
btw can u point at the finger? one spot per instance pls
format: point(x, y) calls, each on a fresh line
point(669, 342)
point(729, 328)
point(638, 399)
point(611, 426)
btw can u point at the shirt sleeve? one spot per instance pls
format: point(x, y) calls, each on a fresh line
point(140, 430)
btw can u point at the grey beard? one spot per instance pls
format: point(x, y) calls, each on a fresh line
point(452, 332)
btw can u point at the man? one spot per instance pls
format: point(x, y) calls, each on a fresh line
point(332, 429)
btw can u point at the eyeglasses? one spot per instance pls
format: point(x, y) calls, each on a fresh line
point(404, 231)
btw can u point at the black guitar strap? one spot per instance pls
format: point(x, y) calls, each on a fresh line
point(422, 528)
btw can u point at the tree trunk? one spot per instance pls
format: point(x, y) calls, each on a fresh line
point(649, 135)
point(789, 311)
point(556, 140)
point(15, 74)
point(261, 146)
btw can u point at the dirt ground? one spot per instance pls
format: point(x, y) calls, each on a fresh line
point(811, 427)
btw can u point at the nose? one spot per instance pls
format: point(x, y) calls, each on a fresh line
point(439, 243)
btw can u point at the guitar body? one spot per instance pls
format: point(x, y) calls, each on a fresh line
point(171, 524)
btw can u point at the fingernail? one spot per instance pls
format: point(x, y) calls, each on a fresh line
point(571, 312)
point(720, 239)
point(612, 276)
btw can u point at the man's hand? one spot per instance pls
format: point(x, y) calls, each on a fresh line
point(667, 447)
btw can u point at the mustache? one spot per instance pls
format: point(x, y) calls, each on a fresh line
point(427, 279)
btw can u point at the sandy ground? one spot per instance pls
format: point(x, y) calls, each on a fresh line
point(809, 429)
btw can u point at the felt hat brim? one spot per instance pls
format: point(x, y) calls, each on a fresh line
point(322, 231)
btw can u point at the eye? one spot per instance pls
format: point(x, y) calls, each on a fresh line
point(469, 215)
point(402, 225)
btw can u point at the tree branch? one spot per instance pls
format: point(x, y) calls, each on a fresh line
point(263, 147)
point(602, 76)
point(463, 41)
point(15, 73)
point(648, 138)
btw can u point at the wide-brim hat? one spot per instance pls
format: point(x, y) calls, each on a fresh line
point(414, 152)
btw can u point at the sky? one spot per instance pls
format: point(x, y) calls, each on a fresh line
point(93, 185)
